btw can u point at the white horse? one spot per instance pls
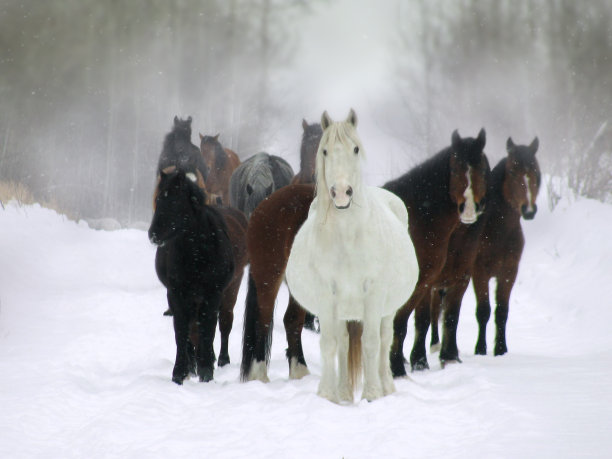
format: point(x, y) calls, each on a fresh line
point(352, 261)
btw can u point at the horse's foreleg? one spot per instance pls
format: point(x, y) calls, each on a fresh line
point(181, 337)
point(483, 308)
point(386, 337)
point(452, 306)
point(345, 388)
point(371, 344)
point(502, 298)
point(422, 317)
point(328, 344)
point(294, 322)
point(207, 324)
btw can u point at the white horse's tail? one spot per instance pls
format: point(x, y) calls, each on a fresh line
point(355, 330)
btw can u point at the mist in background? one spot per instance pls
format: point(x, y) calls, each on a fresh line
point(89, 89)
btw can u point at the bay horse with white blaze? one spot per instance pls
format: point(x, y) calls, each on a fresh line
point(513, 189)
point(444, 196)
point(221, 163)
point(195, 263)
point(353, 265)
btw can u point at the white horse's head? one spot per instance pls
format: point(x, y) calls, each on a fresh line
point(339, 161)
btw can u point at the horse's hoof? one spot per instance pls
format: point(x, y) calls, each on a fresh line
point(206, 374)
point(168, 312)
point(297, 370)
point(179, 376)
point(420, 365)
point(481, 350)
point(501, 350)
point(223, 360)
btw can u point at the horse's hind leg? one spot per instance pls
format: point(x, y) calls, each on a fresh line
point(483, 308)
point(294, 321)
point(226, 316)
point(437, 296)
point(386, 336)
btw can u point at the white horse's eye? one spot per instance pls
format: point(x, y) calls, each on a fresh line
point(324, 152)
point(356, 150)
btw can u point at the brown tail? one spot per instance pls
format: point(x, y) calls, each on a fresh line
point(355, 330)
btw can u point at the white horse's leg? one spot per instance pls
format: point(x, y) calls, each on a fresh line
point(370, 341)
point(344, 386)
point(328, 344)
point(259, 372)
point(386, 336)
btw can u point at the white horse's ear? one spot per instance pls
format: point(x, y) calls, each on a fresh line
point(191, 176)
point(352, 118)
point(326, 121)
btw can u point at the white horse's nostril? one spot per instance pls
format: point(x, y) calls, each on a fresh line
point(349, 191)
point(333, 192)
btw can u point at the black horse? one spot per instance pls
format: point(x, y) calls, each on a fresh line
point(195, 263)
point(178, 151)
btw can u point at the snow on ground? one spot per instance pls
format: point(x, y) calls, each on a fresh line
point(86, 358)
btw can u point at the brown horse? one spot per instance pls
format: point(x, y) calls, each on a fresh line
point(221, 163)
point(444, 197)
point(308, 153)
point(513, 190)
point(272, 227)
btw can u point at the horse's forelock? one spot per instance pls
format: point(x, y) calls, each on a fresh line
point(337, 132)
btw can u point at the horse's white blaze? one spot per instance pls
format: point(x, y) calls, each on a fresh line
point(529, 197)
point(191, 176)
point(469, 214)
point(356, 263)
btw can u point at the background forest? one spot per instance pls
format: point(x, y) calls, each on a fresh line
point(88, 89)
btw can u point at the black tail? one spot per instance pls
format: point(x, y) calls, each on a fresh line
point(249, 333)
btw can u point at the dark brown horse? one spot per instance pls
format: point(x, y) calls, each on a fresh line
point(308, 153)
point(237, 228)
point(513, 190)
point(272, 227)
point(221, 163)
point(444, 197)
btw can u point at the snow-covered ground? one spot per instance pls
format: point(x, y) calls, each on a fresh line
point(86, 359)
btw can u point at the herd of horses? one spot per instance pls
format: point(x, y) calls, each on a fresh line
point(361, 259)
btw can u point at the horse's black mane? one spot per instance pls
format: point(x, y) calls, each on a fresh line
point(427, 181)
